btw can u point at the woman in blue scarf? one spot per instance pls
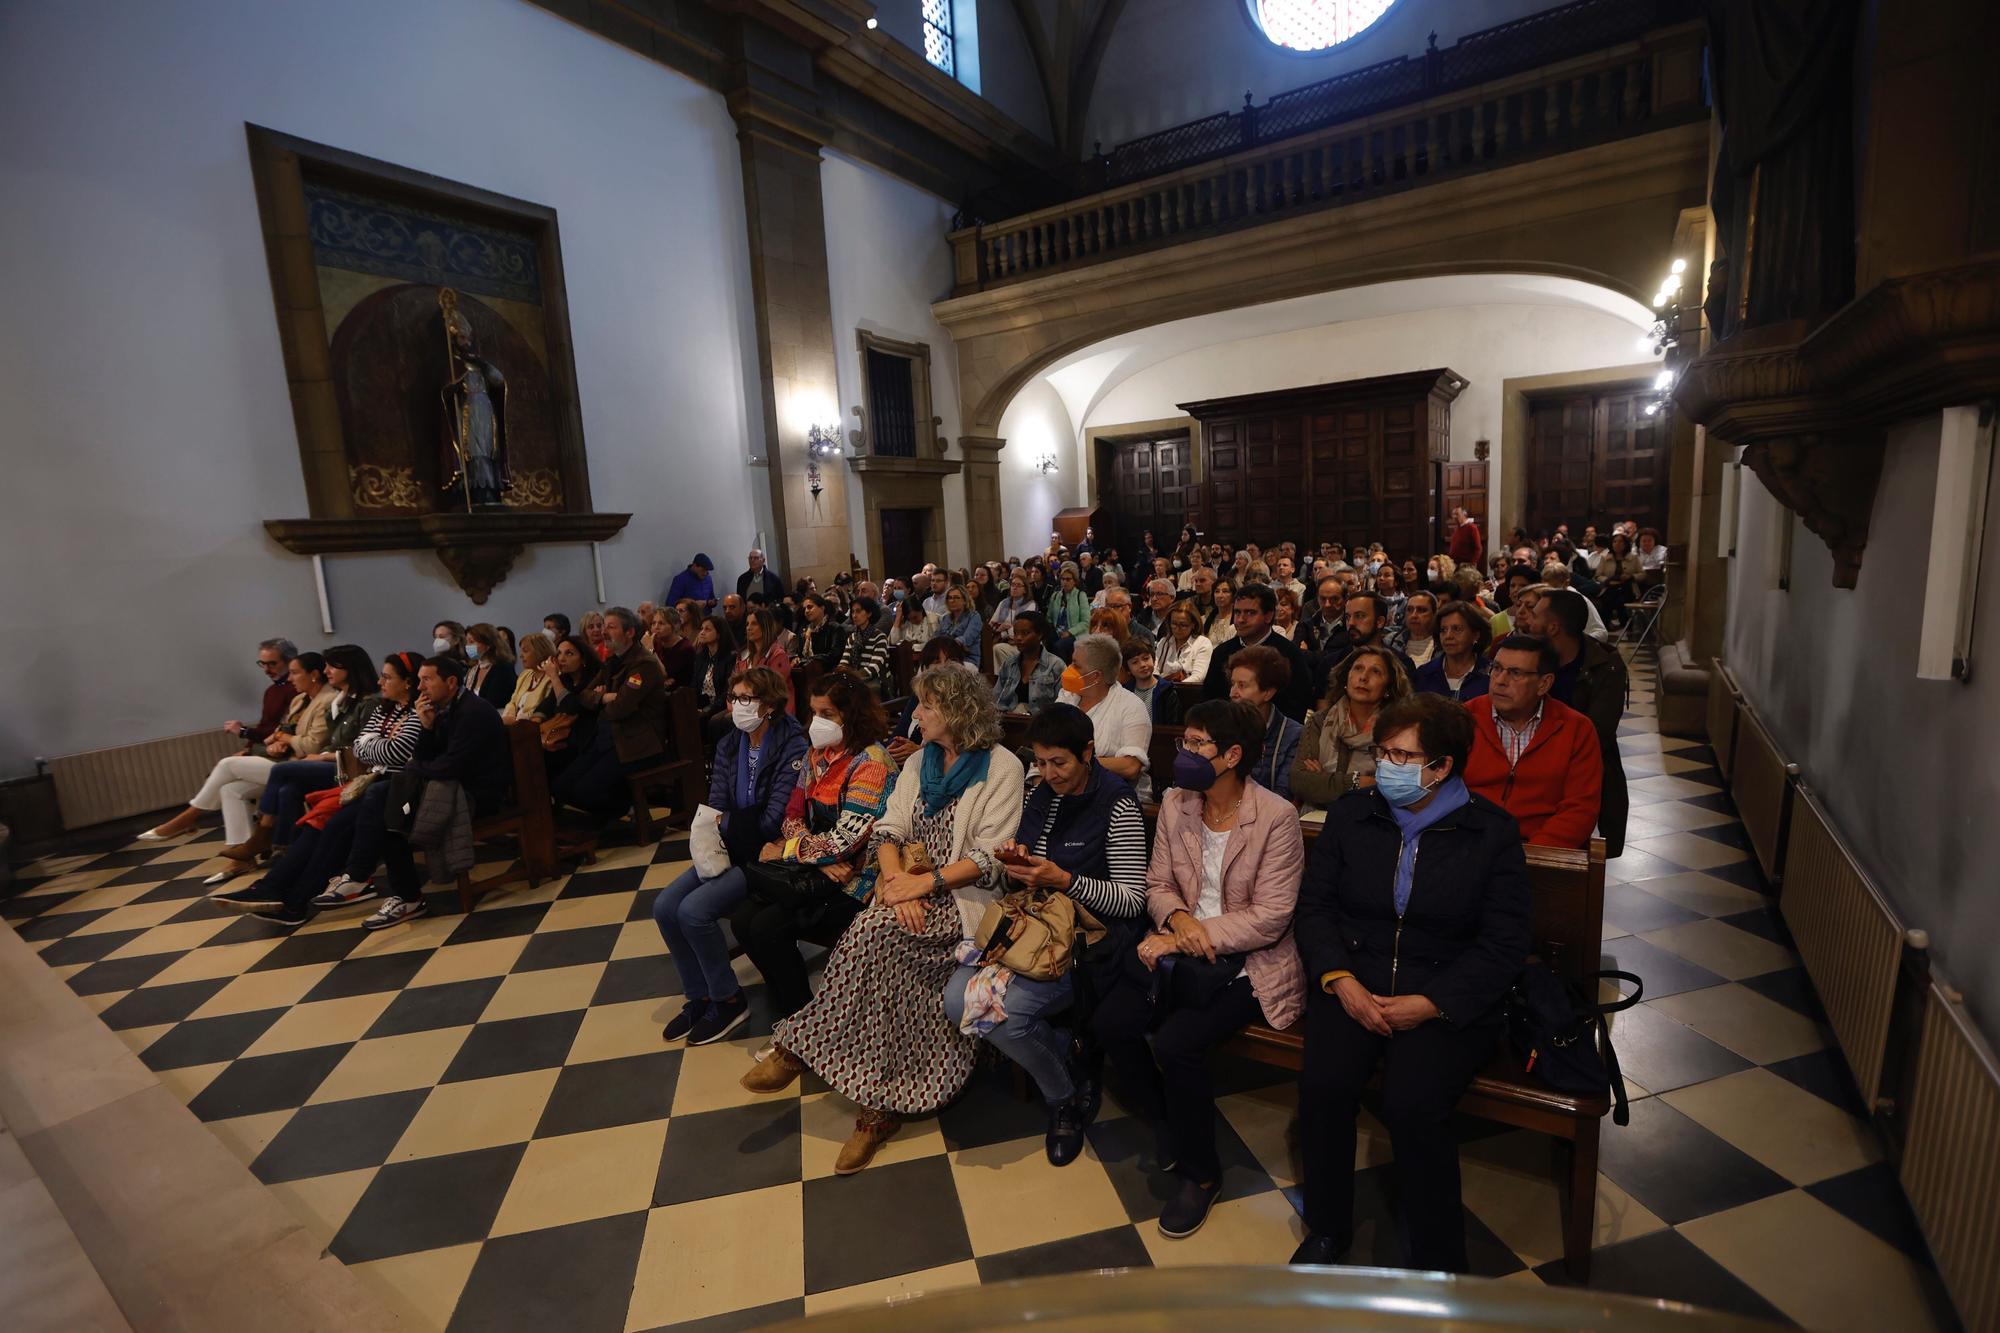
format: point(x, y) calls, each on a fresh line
point(877, 1031)
point(1413, 922)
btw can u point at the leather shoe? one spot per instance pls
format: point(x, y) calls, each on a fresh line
point(1318, 1249)
point(1065, 1138)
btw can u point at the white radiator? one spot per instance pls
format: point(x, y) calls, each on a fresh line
point(1760, 783)
point(100, 785)
point(1849, 938)
point(1951, 1157)
point(1723, 702)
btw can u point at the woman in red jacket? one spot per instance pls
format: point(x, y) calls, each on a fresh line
point(1532, 755)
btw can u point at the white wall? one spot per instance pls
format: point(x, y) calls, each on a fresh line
point(1904, 767)
point(887, 261)
point(148, 428)
point(1172, 61)
point(1486, 344)
point(1036, 421)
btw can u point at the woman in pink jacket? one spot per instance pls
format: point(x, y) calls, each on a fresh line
point(1224, 878)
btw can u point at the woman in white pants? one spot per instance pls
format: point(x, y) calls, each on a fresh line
point(235, 783)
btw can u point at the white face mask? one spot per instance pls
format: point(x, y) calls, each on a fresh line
point(825, 733)
point(440, 645)
point(747, 714)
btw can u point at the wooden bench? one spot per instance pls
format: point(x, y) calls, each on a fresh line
point(1568, 926)
point(528, 817)
point(684, 765)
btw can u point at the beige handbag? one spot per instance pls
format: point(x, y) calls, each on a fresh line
point(1035, 933)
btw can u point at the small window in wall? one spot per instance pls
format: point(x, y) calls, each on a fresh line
point(939, 41)
point(1314, 25)
point(896, 392)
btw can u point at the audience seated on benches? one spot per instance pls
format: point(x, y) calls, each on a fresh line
point(1257, 677)
point(1220, 889)
point(1336, 754)
point(629, 699)
point(1532, 756)
point(1458, 671)
point(1161, 698)
point(1030, 680)
point(1408, 957)
point(352, 700)
point(1118, 720)
point(1080, 835)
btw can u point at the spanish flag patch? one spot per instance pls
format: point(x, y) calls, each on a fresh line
point(633, 681)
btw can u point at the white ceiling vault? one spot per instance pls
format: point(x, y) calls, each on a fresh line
point(1084, 377)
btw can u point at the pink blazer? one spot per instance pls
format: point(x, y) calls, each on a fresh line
point(1260, 888)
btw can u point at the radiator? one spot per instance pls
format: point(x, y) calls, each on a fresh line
point(1951, 1157)
point(1760, 783)
point(100, 785)
point(1723, 702)
point(1849, 938)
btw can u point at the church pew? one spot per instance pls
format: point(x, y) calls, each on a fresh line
point(528, 816)
point(1568, 929)
point(684, 765)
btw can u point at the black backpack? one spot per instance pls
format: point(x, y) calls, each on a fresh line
point(1558, 1031)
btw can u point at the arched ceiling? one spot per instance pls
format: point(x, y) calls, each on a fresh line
point(1085, 376)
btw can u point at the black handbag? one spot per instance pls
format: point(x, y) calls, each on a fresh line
point(803, 893)
point(1559, 1033)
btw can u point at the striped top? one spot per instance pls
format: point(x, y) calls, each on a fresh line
point(1124, 893)
point(388, 739)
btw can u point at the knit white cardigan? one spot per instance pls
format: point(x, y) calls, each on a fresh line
point(988, 814)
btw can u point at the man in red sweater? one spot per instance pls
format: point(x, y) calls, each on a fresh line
point(1466, 543)
point(1535, 757)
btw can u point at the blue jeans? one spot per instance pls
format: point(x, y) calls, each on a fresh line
point(689, 913)
point(1026, 1038)
point(285, 792)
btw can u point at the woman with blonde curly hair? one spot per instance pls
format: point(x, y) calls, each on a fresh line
point(877, 1030)
point(1336, 755)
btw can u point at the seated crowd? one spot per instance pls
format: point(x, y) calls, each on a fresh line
point(963, 825)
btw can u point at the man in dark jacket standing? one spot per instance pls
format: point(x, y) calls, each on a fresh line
point(759, 579)
point(1407, 959)
point(1590, 678)
point(630, 699)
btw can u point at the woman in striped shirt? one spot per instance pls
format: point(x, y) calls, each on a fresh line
point(1081, 834)
point(310, 875)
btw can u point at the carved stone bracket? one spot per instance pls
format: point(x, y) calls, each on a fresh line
point(479, 549)
point(1811, 406)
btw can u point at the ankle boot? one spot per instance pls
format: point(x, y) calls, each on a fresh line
point(251, 847)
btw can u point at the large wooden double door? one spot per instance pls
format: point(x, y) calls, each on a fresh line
point(1150, 478)
point(1595, 458)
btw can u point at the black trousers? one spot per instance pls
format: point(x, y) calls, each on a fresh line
point(1424, 1072)
point(595, 779)
point(1169, 1080)
point(770, 936)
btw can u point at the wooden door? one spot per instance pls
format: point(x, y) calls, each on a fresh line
point(1149, 489)
point(902, 543)
point(1595, 458)
point(1464, 487)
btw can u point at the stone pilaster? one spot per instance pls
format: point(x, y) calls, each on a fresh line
point(985, 534)
point(780, 133)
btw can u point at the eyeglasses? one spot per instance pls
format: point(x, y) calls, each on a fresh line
point(1194, 745)
point(744, 698)
point(1383, 753)
point(1512, 673)
point(270, 666)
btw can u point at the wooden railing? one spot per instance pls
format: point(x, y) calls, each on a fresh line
point(1629, 89)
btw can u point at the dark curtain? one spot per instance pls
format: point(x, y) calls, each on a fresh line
point(1783, 194)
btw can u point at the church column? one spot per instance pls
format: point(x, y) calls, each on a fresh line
point(780, 133)
point(984, 535)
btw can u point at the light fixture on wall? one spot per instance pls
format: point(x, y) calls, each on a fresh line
point(1047, 463)
point(822, 442)
point(1664, 336)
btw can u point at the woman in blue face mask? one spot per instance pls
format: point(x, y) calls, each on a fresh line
point(1412, 925)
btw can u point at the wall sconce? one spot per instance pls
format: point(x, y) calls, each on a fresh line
point(822, 442)
point(1665, 336)
point(1047, 463)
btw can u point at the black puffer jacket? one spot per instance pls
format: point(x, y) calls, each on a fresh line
point(1465, 933)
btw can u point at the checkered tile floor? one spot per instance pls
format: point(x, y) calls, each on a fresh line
point(478, 1114)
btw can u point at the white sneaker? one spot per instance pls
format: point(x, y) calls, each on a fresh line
point(344, 892)
point(394, 910)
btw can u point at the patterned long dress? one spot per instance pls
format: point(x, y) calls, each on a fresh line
point(877, 1032)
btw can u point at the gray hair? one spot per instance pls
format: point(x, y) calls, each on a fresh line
point(1160, 585)
point(1069, 567)
point(1111, 579)
point(1098, 652)
point(624, 616)
point(284, 648)
point(757, 551)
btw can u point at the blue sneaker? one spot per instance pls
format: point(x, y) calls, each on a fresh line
point(683, 1022)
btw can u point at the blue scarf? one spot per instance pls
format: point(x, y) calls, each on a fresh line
point(940, 787)
point(1450, 796)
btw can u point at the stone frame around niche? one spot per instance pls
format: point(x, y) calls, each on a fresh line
point(477, 548)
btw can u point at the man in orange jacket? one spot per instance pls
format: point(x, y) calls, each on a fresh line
point(1535, 757)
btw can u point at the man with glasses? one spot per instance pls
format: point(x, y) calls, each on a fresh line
point(1255, 608)
point(1533, 756)
point(274, 659)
